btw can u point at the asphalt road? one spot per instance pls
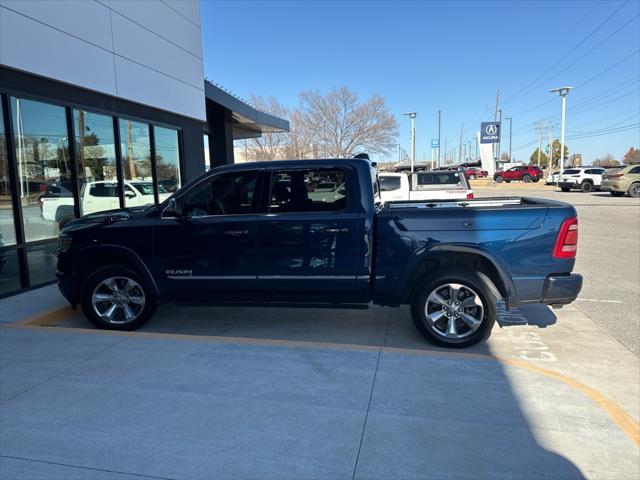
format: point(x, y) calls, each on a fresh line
point(608, 256)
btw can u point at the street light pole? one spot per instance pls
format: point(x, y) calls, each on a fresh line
point(563, 92)
point(412, 116)
point(439, 131)
point(499, 131)
point(510, 130)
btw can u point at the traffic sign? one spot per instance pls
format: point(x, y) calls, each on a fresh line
point(435, 143)
point(489, 132)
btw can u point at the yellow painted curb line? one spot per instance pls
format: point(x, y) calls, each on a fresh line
point(49, 318)
point(619, 416)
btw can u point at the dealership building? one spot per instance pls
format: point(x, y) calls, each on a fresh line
point(103, 105)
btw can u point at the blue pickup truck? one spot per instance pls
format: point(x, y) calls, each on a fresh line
point(315, 232)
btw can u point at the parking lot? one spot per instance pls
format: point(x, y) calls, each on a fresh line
point(321, 393)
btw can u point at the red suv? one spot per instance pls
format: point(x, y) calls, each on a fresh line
point(526, 173)
point(475, 172)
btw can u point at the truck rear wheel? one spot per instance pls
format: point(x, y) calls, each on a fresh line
point(454, 309)
point(116, 298)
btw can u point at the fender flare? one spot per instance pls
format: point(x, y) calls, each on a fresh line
point(423, 253)
point(131, 256)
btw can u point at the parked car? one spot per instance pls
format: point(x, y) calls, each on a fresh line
point(475, 172)
point(525, 173)
point(586, 179)
point(553, 178)
point(622, 180)
point(99, 196)
point(225, 237)
point(393, 186)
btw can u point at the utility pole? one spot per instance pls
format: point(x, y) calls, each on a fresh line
point(499, 131)
point(563, 92)
point(412, 116)
point(460, 150)
point(399, 156)
point(439, 131)
point(539, 130)
point(495, 115)
point(510, 130)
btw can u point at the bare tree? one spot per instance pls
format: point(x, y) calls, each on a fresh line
point(607, 161)
point(340, 125)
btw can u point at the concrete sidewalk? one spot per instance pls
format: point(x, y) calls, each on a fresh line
point(298, 393)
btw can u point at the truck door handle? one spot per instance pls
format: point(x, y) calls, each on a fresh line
point(236, 233)
point(336, 230)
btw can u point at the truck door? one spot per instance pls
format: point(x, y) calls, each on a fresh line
point(210, 252)
point(308, 236)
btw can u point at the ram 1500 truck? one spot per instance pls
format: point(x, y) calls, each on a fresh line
point(273, 232)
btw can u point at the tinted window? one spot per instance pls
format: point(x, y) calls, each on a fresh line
point(227, 194)
point(440, 178)
point(635, 170)
point(308, 191)
point(387, 184)
point(571, 171)
point(7, 230)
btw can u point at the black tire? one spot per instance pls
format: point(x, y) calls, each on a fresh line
point(507, 181)
point(526, 178)
point(536, 179)
point(586, 187)
point(617, 194)
point(565, 189)
point(120, 273)
point(471, 282)
point(634, 190)
point(498, 179)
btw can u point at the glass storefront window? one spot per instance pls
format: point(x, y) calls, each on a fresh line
point(44, 167)
point(7, 227)
point(96, 159)
point(9, 271)
point(42, 260)
point(135, 147)
point(167, 161)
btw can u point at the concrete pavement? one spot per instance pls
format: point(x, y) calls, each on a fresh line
point(309, 393)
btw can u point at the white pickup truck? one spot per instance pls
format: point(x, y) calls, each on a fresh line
point(434, 185)
point(100, 196)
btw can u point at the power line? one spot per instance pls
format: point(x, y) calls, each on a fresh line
point(517, 94)
point(597, 133)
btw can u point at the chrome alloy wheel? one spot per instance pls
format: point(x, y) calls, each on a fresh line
point(453, 311)
point(118, 300)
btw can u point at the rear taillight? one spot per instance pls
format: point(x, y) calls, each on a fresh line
point(469, 196)
point(615, 175)
point(567, 241)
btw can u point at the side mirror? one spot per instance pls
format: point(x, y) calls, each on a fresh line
point(129, 195)
point(177, 206)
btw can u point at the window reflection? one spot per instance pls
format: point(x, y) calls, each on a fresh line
point(7, 229)
point(44, 167)
point(167, 161)
point(136, 162)
point(207, 157)
point(96, 159)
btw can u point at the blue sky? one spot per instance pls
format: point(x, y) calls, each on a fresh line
point(453, 56)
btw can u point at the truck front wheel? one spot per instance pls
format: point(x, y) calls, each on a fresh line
point(454, 309)
point(115, 297)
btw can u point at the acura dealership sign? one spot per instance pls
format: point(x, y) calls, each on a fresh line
point(490, 132)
